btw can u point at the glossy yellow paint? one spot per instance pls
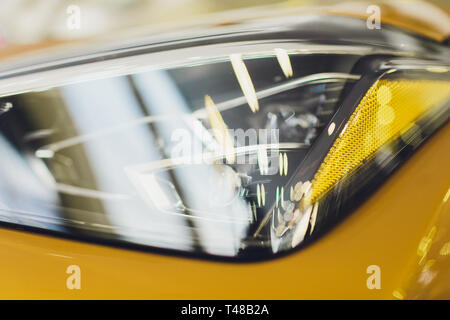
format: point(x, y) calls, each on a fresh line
point(404, 228)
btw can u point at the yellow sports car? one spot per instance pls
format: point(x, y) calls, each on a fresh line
point(282, 152)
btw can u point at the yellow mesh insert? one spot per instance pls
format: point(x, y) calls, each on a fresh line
point(387, 109)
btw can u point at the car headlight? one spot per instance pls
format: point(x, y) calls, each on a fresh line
point(243, 145)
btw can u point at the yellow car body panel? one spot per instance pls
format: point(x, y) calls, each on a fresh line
point(400, 228)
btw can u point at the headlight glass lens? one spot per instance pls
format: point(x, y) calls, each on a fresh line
point(241, 155)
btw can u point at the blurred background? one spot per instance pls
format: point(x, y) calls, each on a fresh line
point(31, 22)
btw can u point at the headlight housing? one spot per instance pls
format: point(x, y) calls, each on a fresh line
point(241, 149)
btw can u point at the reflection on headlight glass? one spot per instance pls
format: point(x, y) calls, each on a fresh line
point(198, 158)
point(190, 158)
